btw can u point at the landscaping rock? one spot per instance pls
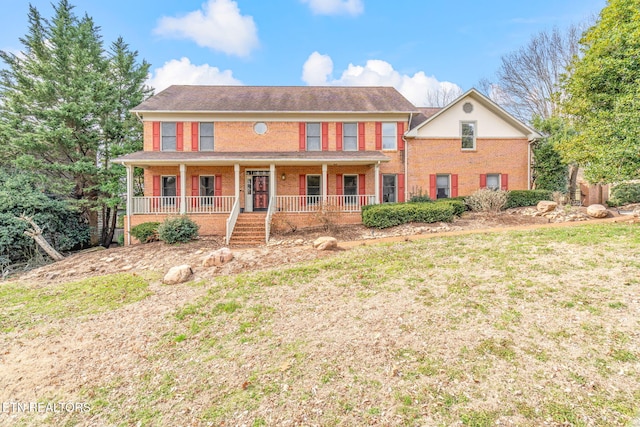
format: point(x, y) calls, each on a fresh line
point(177, 274)
point(546, 206)
point(218, 257)
point(597, 211)
point(325, 243)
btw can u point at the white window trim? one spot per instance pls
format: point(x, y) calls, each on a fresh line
point(395, 136)
point(162, 139)
point(344, 134)
point(395, 176)
point(344, 186)
point(475, 134)
point(306, 136)
point(200, 137)
point(499, 175)
point(448, 175)
point(200, 184)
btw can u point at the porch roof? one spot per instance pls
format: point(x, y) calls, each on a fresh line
point(281, 158)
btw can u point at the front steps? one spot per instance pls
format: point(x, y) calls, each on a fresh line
point(249, 229)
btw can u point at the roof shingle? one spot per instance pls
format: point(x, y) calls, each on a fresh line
point(277, 99)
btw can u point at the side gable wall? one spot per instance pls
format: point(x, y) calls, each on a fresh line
point(500, 148)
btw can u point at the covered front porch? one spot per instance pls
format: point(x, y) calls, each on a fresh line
point(210, 187)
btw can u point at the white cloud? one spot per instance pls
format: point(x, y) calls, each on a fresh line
point(336, 7)
point(317, 71)
point(183, 72)
point(218, 25)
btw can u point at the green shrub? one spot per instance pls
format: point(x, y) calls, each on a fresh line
point(420, 199)
point(392, 214)
point(121, 240)
point(146, 232)
point(62, 223)
point(624, 194)
point(179, 229)
point(520, 198)
point(457, 203)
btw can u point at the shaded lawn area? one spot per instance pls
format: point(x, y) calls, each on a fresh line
point(520, 328)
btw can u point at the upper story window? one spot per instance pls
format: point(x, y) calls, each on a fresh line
point(168, 136)
point(313, 137)
point(206, 136)
point(468, 132)
point(350, 137)
point(389, 136)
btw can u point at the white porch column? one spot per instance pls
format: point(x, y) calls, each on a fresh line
point(236, 180)
point(325, 184)
point(272, 181)
point(376, 190)
point(129, 200)
point(183, 189)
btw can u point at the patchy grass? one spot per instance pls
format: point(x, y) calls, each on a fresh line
point(520, 328)
point(24, 306)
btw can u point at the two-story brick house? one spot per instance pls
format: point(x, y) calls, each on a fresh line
point(227, 155)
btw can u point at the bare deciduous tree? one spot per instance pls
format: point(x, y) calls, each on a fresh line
point(528, 80)
point(442, 96)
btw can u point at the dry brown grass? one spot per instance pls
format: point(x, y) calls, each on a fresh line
point(522, 328)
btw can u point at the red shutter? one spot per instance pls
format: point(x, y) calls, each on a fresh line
point(483, 180)
point(378, 136)
point(361, 143)
point(218, 190)
point(178, 186)
point(381, 189)
point(195, 128)
point(432, 187)
point(454, 185)
point(339, 136)
point(362, 188)
point(505, 181)
point(156, 136)
point(195, 190)
point(156, 185)
point(339, 190)
point(218, 184)
point(302, 189)
point(325, 136)
point(302, 137)
point(156, 191)
point(179, 136)
point(400, 134)
point(400, 187)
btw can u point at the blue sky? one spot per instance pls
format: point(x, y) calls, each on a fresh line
point(416, 46)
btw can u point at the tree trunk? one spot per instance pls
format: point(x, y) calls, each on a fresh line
point(36, 233)
point(109, 226)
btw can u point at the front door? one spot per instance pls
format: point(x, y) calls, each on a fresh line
point(260, 193)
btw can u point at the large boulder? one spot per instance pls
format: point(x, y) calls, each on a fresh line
point(217, 257)
point(546, 206)
point(177, 274)
point(597, 211)
point(325, 243)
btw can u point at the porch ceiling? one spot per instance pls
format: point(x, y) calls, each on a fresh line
point(286, 158)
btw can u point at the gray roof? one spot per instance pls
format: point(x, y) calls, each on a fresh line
point(277, 99)
point(253, 157)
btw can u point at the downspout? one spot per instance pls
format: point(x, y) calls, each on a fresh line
point(406, 160)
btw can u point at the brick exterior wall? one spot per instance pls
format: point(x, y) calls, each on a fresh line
point(445, 156)
point(210, 224)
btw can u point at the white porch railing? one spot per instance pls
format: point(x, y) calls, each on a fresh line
point(171, 205)
point(231, 221)
point(315, 203)
point(267, 220)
